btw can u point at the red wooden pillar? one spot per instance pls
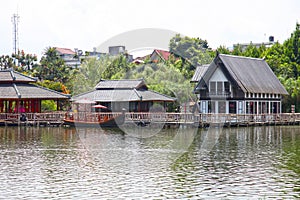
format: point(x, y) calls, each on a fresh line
point(1, 106)
point(39, 105)
point(35, 106)
point(17, 107)
point(25, 105)
point(9, 106)
point(32, 105)
point(57, 105)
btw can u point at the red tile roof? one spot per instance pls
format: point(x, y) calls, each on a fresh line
point(65, 51)
point(163, 54)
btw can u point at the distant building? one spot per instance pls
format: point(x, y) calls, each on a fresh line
point(69, 56)
point(116, 50)
point(93, 54)
point(159, 55)
point(257, 45)
point(238, 85)
point(73, 58)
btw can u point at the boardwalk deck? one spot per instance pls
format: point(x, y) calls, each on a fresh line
point(32, 119)
point(167, 119)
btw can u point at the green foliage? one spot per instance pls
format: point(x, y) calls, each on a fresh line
point(89, 74)
point(52, 85)
point(195, 50)
point(223, 50)
point(285, 61)
point(48, 105)
point(118, 63)
point(20, 62)
point(25, 62)
point(6, 62)
point(52, 67)
point(164, 78)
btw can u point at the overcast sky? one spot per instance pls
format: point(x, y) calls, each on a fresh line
point(85, 24)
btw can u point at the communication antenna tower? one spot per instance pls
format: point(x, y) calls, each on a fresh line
point(15, 21)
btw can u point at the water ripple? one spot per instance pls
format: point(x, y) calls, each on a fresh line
point(58, 163)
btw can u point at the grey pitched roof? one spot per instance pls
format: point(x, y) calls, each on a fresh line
point(252, 75)
point(120, 84)
point(122, 95)
point(12, 76)
point(199, 72)
point(28, 91)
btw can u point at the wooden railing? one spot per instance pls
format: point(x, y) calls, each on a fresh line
point(249, 118)
point(49, 116)
point(214, 118)
point(90, 116)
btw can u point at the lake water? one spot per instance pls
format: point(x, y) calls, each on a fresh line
point(184, 163)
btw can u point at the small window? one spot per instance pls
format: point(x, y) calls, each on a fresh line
point(220, 86)
point(226, 86)
point(213, 87)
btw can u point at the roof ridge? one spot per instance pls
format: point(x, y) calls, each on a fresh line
point(12, 75)
point(15, 72)
point(243, 57)
point(140, 79)
point(17, 90)
point(78, 95)
point(137, 93)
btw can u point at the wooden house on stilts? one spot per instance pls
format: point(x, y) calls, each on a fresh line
point(18, 94)
point(238, 85)
point(132, 95)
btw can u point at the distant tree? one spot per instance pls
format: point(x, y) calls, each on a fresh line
point(54, 85)
point(20, 62)
point(89, 74)
point(278, 61)
point(118, 64)
point(193, 49)
point(237, 50)
point(6, 62)
point(52, 67)
point(164, 78)
point(252, 51)
point(223, 50)
point(284, 59)
point(24, 62)
point(292, 50)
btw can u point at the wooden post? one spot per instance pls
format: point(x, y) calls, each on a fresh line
point(293, 109)
point(1, 106)
point(57, 105)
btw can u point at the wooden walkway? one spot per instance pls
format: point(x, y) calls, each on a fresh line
point(167, 119)
point(206, 120)
point(33, 119)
